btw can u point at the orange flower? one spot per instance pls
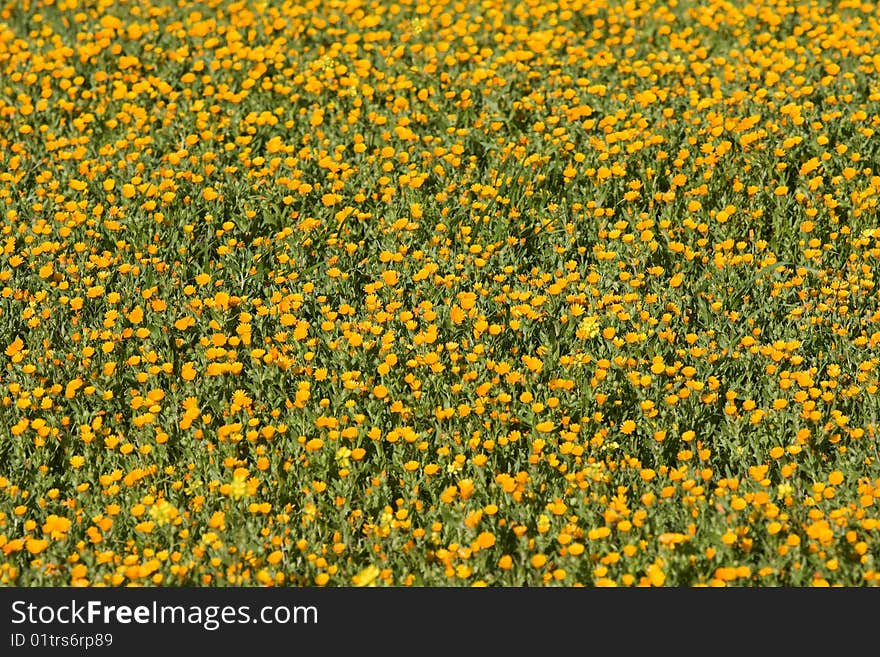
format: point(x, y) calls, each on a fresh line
point(188, 371)
point(486, 540)
point(14, 347)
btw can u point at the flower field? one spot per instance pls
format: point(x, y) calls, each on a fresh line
point(451, 293)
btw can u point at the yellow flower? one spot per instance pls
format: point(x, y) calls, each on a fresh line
point(367, 577)
point(56, 527)
point(163, 512)
point(588, 328)
point(342, 455)
point(239, 486)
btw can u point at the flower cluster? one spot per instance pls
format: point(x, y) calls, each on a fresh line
point(347, 293)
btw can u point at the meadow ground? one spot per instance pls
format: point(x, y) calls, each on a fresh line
point(350, 292)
